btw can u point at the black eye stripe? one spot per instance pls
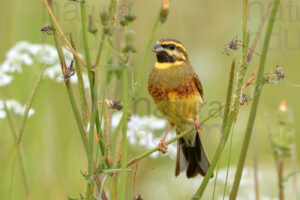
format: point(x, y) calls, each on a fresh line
point(169, 46)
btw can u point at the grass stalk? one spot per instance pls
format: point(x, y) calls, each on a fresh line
point(228, 164)
point(100, 48)
point(57, 27)
point(91, 73)
point(124, 135)
point(67, 81)
point(224, 136)
point(102, 39)
point(257, 92)
point(86, 46)
point(83, 102)
point(27, 108)
point(255, 166)
point(19, 153)
point(90, 185)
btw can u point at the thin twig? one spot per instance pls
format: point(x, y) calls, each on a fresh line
point(27, 108)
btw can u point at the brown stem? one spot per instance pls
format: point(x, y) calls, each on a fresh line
point(281, 179)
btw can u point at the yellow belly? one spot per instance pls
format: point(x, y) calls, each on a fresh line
point(180, 111)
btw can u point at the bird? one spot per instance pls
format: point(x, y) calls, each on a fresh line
point(178, 95)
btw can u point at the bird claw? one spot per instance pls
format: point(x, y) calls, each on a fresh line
point(162, 147)
point(197, 126)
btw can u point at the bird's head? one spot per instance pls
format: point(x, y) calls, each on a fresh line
point(169, 51)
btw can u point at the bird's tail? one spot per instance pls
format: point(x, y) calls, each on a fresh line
point(191, 159)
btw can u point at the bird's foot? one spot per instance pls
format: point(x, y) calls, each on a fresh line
point(197, 126)
point(162, 147)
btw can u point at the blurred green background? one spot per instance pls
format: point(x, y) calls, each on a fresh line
point(53, 152)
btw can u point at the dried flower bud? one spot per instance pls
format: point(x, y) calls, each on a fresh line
point(138, 197)
point(123, 21)
point(112, 104)
point(129, 36)
point(127, 18)
point(280, 73)
point(164, 11)
point(130, 17)
point(104, 17)
point(107, 30)
point(92, 27)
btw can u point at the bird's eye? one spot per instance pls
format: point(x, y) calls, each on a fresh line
point(172, 47)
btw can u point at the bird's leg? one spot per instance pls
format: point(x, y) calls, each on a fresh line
point(197, 125)
point(162, 145)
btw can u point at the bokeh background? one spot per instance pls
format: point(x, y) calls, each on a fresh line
point(53, 152)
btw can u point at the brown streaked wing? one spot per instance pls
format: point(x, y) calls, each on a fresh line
point(198, 84)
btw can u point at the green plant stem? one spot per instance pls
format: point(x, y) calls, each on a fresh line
point(102, 39)
point(27, 108)
point(228, 164)
point(215, 182)
point(91, 74)
point(139, 77)
point(83, 101)
point(99, 52)
point(67, 82)
point(224, 134)
point(90, 185)
point(258, 89)
point(124, 135)
point(19, 153)
point(147, 153)
point(86, 46)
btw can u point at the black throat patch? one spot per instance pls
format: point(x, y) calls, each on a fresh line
point(163, 57)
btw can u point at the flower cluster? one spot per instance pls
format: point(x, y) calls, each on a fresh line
point(27, 54)
point(141, 132)
point(14, 106)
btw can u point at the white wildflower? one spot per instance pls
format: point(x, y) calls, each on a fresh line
point(5, 79)
point(25, 54)
point(14, 106)
point(141, 132)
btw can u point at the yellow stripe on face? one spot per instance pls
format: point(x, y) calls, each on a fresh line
point(167, 65)
point(172, 42)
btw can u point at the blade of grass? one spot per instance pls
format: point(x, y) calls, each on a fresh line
point(258, 89)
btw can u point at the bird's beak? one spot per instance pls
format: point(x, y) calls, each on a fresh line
point(157, 48)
